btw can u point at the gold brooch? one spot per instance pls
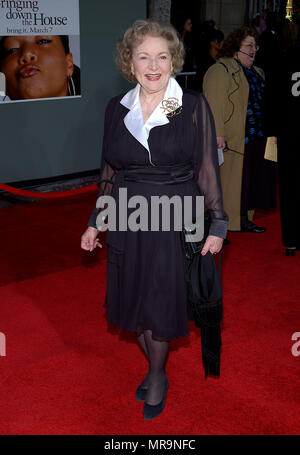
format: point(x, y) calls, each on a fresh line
point(171, 107)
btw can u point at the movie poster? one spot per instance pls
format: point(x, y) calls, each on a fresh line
point(39, 50)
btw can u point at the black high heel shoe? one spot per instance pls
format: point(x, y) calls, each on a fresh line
point(140, 393)
point(152, 411)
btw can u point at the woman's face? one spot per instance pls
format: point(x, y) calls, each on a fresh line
point(36, 67)
point(188, 25)
point(151, 64)
point(247, 51)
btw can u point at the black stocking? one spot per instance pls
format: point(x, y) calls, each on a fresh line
point(156, 378)
point(142, 343)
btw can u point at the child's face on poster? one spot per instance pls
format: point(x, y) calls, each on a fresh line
point(36, 67)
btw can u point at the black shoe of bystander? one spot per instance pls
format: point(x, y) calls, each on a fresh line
point(251, 227)
point(290, 251)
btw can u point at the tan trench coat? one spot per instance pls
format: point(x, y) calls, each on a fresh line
point(227, 90)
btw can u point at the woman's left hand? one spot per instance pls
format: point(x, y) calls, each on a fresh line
point(212, 244)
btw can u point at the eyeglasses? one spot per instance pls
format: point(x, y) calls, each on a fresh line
point(251, 46)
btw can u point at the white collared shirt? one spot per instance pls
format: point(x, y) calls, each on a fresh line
point(134, 121)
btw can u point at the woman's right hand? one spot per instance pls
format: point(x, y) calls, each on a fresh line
point(89, 240)
point(221, 142)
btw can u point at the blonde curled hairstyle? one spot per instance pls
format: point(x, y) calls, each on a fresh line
point(135, 36)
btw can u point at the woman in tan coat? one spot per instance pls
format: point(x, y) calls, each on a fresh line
point(234, 89)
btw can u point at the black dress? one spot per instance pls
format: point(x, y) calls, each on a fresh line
point(146, 288)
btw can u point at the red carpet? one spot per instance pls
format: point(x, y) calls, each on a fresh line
point(67, 372)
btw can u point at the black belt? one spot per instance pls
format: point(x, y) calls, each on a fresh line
point(159, 175)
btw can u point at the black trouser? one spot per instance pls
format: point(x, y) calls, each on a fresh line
point(289, 190)
point(258, 179)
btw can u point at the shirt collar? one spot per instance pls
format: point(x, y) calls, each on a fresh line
point(134, 121)
point(132, 98)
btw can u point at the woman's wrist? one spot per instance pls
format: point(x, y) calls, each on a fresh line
point(92, 228)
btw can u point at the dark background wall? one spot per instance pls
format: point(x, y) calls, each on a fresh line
point(44, 139)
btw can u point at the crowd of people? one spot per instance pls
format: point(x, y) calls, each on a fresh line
point(244, 91)
point(203, 42)
point(201, 46)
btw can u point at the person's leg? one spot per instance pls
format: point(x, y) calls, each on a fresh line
point(288, 194)
point(157, 352)
point(263, 184)
point(142, 343)
point(248, 177)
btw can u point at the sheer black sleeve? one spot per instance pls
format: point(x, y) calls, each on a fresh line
point(107, 173)
point(207, 166)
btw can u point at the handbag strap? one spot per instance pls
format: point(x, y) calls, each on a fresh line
point(220, 265)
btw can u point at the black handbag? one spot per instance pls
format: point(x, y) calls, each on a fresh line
point(192, 248)
point(205, 298)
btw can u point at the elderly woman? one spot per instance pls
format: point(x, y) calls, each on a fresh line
point(38, 67)
point(234, 88)
point(158, 141)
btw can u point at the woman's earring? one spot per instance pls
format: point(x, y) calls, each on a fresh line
point(71, 87)
point(172, 68)
point(132, 72)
